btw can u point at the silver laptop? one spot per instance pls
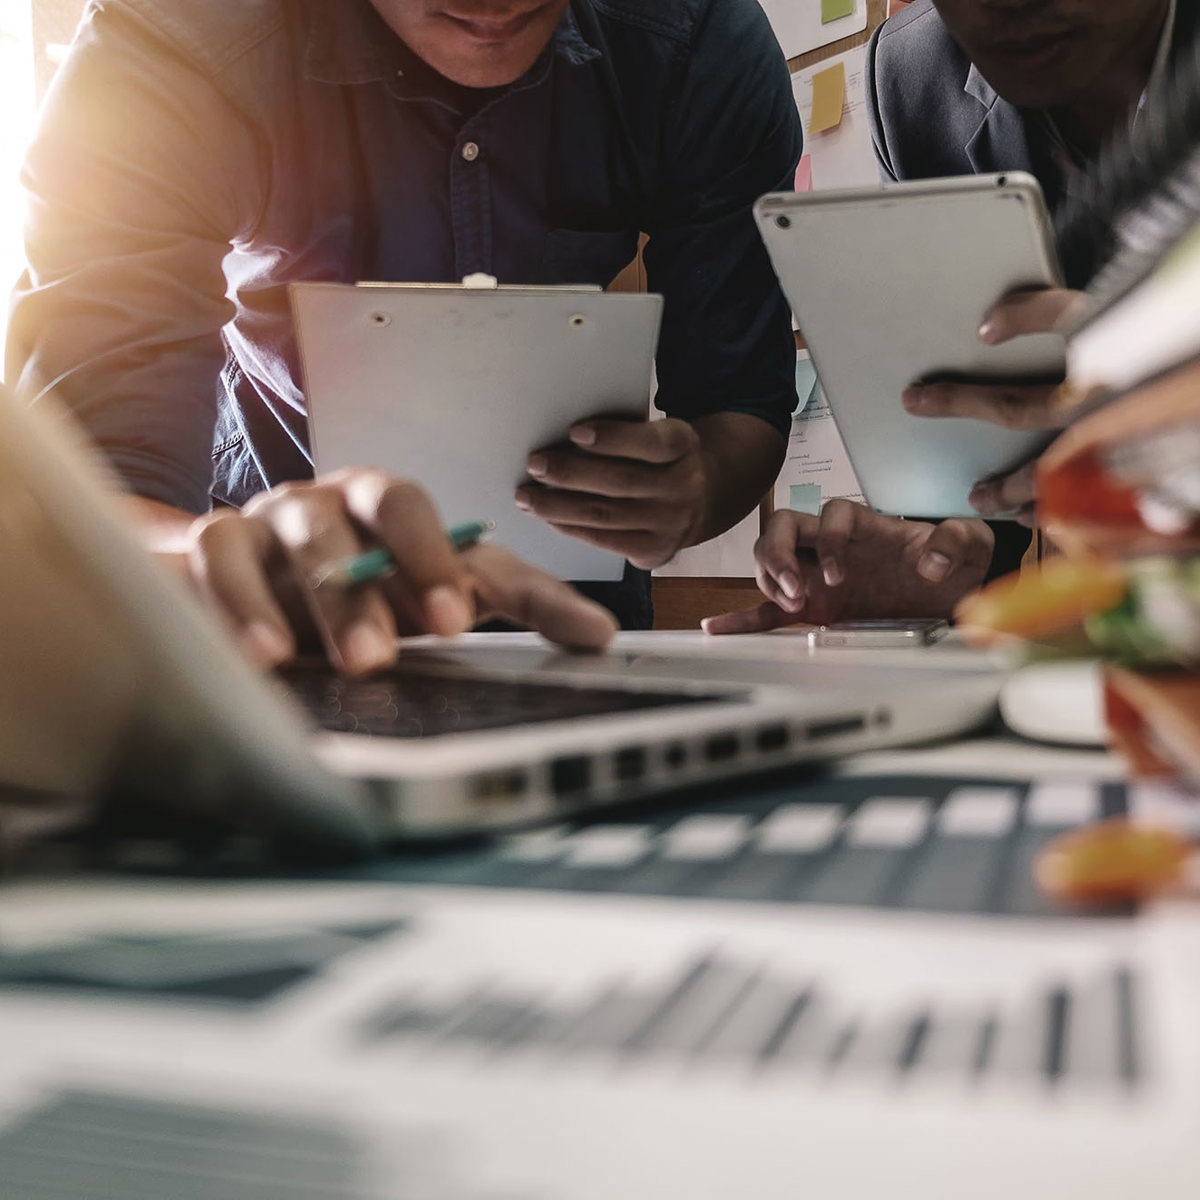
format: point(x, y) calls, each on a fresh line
point(114, 683)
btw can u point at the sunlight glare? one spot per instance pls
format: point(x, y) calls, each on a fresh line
point(16, 125)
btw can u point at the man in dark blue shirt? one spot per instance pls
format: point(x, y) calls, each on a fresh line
point(195, 156)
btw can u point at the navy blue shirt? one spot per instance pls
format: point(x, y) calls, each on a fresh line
point(195, 156)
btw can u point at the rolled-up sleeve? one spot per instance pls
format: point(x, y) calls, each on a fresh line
point(734, 133)
point(140, 178)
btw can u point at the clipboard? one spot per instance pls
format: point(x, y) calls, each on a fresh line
point(452, 386)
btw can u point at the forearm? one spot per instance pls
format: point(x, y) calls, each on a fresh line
point(742, 456)
point(162, 529)
point(726, 353)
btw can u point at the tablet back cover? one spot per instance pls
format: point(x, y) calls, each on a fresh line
point(889, 285)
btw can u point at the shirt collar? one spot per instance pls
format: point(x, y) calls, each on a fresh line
point(349, 43)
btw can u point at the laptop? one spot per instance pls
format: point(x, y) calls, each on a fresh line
point(115, 684)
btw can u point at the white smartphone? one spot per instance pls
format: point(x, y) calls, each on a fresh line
point(889, 286)
point(879, 633)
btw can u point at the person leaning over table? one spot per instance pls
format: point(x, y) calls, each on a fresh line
point(965, 87)
point(194, 156)
point(959, 87)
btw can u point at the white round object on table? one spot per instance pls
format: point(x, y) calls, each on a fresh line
point(1058, 702)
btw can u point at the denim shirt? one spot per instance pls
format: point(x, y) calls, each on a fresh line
point(195, 156)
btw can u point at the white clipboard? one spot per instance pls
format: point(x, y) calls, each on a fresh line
point(452, 385)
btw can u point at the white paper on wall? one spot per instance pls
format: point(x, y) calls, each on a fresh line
point(799, 28)
point(730, 556)
point(817, 468)
point(841, 157)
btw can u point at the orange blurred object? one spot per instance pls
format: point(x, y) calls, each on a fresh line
point(1154, 717)
point(1112, 861)
point(1131, 735)
point(1081, 489)
point(1083, 506)
point(1054, 598)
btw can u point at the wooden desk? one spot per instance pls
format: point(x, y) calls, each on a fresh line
point(681, 603)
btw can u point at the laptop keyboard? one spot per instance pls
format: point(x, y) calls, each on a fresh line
point(419, 702)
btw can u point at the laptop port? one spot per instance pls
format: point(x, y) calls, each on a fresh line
point(721, 748)
point(675, 755)
point(836, 727)
point(571, 775)
point(629, 763)
point(770, 739)
point(499, 785)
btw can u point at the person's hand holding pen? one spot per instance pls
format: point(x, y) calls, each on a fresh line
point(357, 558)
point(371, 566)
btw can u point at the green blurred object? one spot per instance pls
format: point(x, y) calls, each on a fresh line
point(1156, 625)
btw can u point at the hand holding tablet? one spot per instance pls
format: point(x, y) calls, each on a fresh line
point(895, 287)
point(1014, 406)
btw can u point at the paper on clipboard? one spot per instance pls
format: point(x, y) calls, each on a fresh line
point(453, 386)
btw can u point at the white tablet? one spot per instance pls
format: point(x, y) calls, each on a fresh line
point(453, 386)
point(889, 286)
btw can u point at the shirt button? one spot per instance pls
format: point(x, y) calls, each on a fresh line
point(470, 151)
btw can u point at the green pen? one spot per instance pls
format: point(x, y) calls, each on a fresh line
point(377, 564)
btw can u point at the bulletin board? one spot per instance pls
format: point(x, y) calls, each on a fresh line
point(827, 83)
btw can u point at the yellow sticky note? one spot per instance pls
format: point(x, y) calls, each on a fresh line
point(833, 10)
point(829, 98)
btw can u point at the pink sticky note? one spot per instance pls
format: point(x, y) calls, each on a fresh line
point(804, 174)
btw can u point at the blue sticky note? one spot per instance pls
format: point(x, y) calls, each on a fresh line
point(805, 498)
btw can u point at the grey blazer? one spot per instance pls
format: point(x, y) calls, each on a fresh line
point(932, 113)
